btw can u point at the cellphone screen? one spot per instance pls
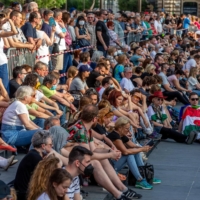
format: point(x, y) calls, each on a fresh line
point(52, 21)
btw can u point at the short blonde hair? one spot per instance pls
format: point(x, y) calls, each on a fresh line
point(149, 67)
point(24, 91)
point(121, 121)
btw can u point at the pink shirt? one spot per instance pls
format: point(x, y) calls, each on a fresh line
point(171, 79)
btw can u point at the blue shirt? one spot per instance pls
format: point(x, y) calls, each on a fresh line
point(186, 23)
point(28, 30)
point(46, 28)
point(117, 72)
point(135, 59)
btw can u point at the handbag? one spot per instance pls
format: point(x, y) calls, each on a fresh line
point(83, 42)
point(68, 39)
point(146, 171)
point(56, 47)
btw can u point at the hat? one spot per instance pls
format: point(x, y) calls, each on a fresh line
point(158, 94)
point(85, 68)
point(4, 190)
point(72, 9)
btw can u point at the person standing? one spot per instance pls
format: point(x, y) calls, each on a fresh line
point(102, 34)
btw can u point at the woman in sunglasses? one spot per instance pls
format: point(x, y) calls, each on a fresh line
point(158, 117)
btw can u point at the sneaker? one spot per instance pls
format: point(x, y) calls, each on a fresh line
point(13, 162)
point(131, 194)
point(123, 197)
point(156, 181)
point(143, 185)
point(191, 137)
point(10, 160)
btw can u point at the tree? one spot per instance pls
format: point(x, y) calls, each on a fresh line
point(50, 3)
point(131, 5)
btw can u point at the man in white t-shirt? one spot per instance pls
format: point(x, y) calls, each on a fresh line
point(60, 33)
point(126, 83)
point(193, 62)
point(106, 82)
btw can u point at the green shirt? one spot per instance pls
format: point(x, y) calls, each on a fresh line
point(149, 31)
point(46, 91)
point(33, 106)
point(79, 134)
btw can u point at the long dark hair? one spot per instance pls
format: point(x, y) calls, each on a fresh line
point(78, 19)
point(58, 176)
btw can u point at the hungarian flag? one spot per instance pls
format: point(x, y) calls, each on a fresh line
point(191, 119)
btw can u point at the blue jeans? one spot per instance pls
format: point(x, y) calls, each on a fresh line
point(39, 122)
point(133, 162)
point(101, 48)
point(179, 33)
point(50, 61)
point(197, 91)
point(67, 63)
point(4, 76)
point(63, 108)
point(17, 135)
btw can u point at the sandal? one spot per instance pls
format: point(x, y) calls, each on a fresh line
point(121, 177)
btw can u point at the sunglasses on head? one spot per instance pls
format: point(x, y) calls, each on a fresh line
point(195, 99)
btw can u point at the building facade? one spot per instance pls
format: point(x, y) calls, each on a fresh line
point(178, 6)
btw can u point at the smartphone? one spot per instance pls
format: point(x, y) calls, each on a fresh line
point(52, 21)
point(150, 143)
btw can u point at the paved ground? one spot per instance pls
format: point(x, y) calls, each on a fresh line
point(177, 165)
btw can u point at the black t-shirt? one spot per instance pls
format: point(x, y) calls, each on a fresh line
point(180, 21)
point(25, 170)
point(115, 136)
point(75, 63)
point(91, 80)
point(100, 129)
point(100, 26)
point(144, 75)
point(13, 86)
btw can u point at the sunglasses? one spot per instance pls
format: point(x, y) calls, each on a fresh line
point(195, 99)
point(160, 99)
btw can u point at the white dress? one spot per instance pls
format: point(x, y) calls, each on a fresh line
point(43, 49)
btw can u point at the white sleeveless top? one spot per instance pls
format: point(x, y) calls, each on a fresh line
point(44, 49)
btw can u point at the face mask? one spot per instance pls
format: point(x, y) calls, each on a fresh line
point(53, 87)
point(105, 20)
point(81, 23)
point(88, 171)
point(159, 85)
point(180, 78)
point(44, 152)
point(37, 85)
point(24, 78)
point(147, 90)
point(112, 86)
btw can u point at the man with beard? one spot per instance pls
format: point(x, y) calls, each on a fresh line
point(96, 76)
point(104, 173)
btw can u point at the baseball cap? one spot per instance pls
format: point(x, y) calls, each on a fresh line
point(4, 190)
point(85, 68)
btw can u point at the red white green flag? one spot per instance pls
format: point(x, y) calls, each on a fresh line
point(191, 119)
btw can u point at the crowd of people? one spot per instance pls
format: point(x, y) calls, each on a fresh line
point(86, 112)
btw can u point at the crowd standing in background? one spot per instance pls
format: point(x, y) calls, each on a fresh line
point(111, 82)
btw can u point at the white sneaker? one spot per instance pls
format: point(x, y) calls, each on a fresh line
point(9, 160)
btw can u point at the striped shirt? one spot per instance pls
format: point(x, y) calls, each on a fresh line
point(74, 188)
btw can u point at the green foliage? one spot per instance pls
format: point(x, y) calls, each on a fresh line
point(81, 4)
point(131, 5)
point(50, 3)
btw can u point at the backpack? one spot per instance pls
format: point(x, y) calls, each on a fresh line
point(68, 39)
